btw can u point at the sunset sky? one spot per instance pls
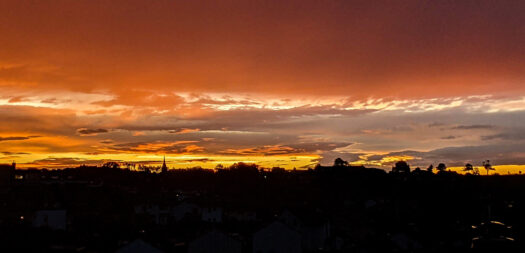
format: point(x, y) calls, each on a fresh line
point(277, 83)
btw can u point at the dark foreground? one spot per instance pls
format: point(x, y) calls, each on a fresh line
point(344, 209)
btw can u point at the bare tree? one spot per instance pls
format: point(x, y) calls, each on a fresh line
point(468, 168)
point(487, 166)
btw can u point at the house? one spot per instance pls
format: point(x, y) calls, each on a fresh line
point(277, 238)
point(138, 246)
point(404, 242)
point(53, 219)
point(493, 235)
point(291, 220)
point(212, 214)
point(370, 203)
point(243, 216)
point(314, 230)
point(182, 210)
point(158, 214)
point(29, 176)
point(315, 236)
point(215, 242)
point(7, 173)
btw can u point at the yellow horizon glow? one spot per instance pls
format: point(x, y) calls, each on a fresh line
point(504, 169)
point(173, 161)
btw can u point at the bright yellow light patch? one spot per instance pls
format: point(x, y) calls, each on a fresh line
point(508, 169)
point(173, 161)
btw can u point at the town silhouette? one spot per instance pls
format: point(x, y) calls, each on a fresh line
point(273, 126)
point(123, 207)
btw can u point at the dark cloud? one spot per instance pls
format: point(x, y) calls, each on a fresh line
point(319, 146)
point(242, 119)
point(279, 149)
point(458, 156)
point(38, 119)
point(468, 127)
point(508, 136)
point(435, 124)
point(328, 157)
point(268, 115)
point(412, 153)
point(179, 147)
point(264, 150)
point(68, 161)
point(184, 131)
point(18, 138)
point(14, 153)
point(90, 132)
point(202, 160)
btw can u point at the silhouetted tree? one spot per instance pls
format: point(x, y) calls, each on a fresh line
point(441, 167)
point(487, 166)
point(129, 166)
point(468, 168)
point(278, 170)
point(401, 167)
point(340, 163)
point(112, 165)
point(244, 167)
point(430, 168)
point(417, 171)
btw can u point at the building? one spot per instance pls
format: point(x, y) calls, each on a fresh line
point(242, 216)
point(277, 238)
point(184, 209)
point(164, 167)
point(7, 173)
point(138, 246)
point(159, 215)
point(291, 220)
point(215, 242)
point(53, 219)
point(314, 229)
point(494, 236)
point(212, 214)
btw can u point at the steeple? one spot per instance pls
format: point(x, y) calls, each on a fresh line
point(164, 167)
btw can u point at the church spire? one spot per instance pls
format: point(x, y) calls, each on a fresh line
point(164, 167)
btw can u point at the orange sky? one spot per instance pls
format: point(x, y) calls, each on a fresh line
point(280, 84)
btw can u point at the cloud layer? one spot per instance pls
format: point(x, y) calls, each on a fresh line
point(284, 84)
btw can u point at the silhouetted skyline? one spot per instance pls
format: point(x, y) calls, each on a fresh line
point(244, 208)
point(274, 126)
